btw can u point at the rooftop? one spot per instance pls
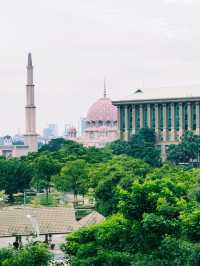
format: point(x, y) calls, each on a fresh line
point(23, 221)
point(92, 218)
point(162, 93)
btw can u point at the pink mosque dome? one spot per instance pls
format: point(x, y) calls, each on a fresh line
point(102, 110)
point(100, 123)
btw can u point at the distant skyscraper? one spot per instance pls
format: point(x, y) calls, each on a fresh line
point(30, 137)
point(83, 124)
point(50, 132)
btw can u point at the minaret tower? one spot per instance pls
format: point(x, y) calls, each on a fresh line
point(30, 137)
point(105, 89)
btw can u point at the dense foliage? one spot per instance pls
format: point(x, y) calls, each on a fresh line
point(106, 177)
point(152, 211)
point(33, 255)
point(188, 150)
point(155, 222)
point(73, 177)
point(141, 145)
point(15, 176)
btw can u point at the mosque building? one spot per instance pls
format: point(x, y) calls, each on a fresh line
point(7, 148)
point(100, 125)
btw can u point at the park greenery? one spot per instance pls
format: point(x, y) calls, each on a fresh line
point(153, 219)
point(32, 255)
point(152, 208)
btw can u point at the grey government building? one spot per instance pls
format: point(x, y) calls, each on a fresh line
point(170, 117)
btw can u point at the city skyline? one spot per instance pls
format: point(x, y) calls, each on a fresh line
point(75, 44)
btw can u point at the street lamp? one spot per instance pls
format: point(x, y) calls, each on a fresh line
point(34, 224)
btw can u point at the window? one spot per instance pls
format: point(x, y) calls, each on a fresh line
point(185, 112)
point(169, 117)
point(160, 116)
point(177, 116)
point(194, 126)
point(130, 117)
point(122, 117)
point(153, 117)
point(137, 115)
point(145, 115)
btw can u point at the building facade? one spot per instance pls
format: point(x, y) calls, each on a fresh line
point(169, 117)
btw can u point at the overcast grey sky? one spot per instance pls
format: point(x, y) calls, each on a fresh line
point(75, 43)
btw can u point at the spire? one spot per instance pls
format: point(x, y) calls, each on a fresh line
point(29, 70)
point(30, 65)
point(105, 89)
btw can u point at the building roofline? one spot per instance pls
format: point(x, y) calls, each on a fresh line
point(156, 100)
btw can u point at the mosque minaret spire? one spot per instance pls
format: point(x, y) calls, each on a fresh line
point(30, 137)
point(105, 89)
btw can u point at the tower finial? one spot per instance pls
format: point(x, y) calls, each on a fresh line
point(105, 89)
point(29, 60)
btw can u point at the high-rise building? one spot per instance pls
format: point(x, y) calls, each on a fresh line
point(50, 132)
point(82, 125)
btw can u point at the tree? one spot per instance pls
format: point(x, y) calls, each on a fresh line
point(53, 145)
point(45, 168)
point(119, 147)
point(96, 155)
point(102, 244)
point(34, 255)
point(141, 145)
point(15, 176)
point(186, 151)
point(157, 224)
point(73, 177)
point(105, 178)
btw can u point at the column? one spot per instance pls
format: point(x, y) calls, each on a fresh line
point(173, 122)
point(149, 116)
point(141, 116)
point(197, 119)
point(157, 122)
point(189, 111)
point(133, 120)
point(165, 126)
point(126, 123)
point(181, 120)
point(119, 122)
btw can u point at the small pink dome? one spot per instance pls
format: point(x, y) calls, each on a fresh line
point(102, 110)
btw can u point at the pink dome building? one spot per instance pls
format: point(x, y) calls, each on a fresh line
point(100, 123)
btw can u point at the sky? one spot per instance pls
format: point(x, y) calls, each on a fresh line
point(75, 44)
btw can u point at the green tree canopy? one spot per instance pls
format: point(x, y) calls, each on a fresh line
point(103, 244)
point(157, 224)
point(45, 168)
point(141, 145)
point(73, 178)
point(35, 255)
point(186, 151)
point(105, 178)
point(15, 176)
